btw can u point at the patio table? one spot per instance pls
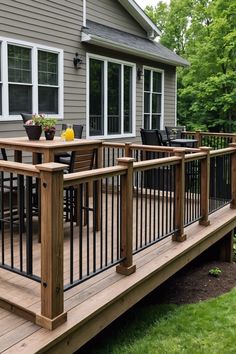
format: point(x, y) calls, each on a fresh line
point(48, 149)
point(184, 142)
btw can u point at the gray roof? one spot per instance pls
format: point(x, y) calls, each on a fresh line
point(109, 37)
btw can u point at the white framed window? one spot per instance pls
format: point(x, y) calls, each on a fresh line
point(153, 98)
point(111, 97)
point(31, 79)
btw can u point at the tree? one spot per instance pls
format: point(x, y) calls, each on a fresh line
point(204, 31)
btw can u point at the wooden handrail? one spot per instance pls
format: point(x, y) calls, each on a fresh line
point(113, 145)
point(221, 152)
point(19, 168)
point(210, 133)
point(155, 163)
point(196, 156)
point(71, 179)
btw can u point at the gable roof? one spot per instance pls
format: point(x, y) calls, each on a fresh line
point(139, 15)
point(111, 38)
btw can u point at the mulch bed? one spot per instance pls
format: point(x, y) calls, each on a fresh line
point(194, 284)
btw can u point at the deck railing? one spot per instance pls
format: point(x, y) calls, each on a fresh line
point(213, 140)
point(111, 213)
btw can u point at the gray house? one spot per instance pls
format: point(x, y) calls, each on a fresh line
point(95, 63)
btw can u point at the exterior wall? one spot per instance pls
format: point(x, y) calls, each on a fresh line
point(169, 87)
point(57, 23)
point(112, 14)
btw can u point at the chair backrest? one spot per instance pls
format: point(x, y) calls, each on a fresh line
point(83, 160)
point(78, 130)
point(163, 137)
point(3, 155)
point(26, 116)
point(173, 132)
point(150, 137)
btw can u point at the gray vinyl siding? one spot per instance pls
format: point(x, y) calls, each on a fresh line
point(57, 23)
point(54, 23)
point(112, 14)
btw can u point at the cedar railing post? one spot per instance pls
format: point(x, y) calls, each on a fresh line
point(205, 187)
point(52, 246)
point(233, 177)
point(197, 136)
point(128, 151)
point(126, 267)
point(179, 236)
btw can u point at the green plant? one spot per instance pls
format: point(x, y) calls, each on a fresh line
point(215, 272)
point(234, 248)
point(48, 123)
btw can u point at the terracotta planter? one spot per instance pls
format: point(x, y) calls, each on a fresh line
point(33, 131)
point(49, 134)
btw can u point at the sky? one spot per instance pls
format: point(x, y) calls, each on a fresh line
point(144, 3)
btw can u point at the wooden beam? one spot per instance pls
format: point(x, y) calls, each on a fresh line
point(179, 235)
point(52, 292)
point(205, 187)
point(233, 178)
point(126, 267)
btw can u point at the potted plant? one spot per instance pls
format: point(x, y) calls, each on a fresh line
point(33, 127)
point(49, 127)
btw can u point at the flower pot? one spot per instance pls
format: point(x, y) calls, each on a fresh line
point(49, 134)
point(33, 131)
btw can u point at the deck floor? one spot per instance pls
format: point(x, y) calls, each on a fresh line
point(94, 304)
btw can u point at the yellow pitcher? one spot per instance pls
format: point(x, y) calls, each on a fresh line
point(69, 133)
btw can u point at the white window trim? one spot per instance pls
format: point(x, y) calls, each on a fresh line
point(162, 96)
point(133, 102)
point(4, 41)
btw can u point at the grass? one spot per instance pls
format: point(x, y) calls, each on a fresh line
point(207, 327)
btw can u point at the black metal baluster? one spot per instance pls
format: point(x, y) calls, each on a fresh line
point(29, 223)
point(73, 198)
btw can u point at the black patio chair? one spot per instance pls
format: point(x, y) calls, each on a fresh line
point(150, 137)
point(163, 137)
point(76, 197)
point(174, 132)
point(26, 117)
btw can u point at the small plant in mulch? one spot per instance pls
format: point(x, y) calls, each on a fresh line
point(234, 249)
point(215, 272)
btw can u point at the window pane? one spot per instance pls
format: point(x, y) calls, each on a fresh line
point(157, 79)
point(147, 121)
point(47, 68)
point(114, 98)
point(127, 99)
point(147, 80)
point(156, 103)
point(20, 99)
point(48, 100)
point(156, 121)
point(19, 64)
point(96, 97)
point(147, 97)
point(0, 99)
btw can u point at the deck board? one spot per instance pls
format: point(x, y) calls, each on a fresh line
point(95, 303)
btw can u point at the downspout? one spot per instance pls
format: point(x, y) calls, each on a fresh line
point(84, 14)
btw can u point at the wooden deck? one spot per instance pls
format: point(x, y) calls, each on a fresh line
point(94, 304)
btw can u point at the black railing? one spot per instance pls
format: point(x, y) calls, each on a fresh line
point(19, 225)
point(220, 182)
point(93, 231)
point(154, 206)
point(216, 141)
point(192, 192)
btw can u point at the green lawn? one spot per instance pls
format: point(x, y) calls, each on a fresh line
point(207, 327)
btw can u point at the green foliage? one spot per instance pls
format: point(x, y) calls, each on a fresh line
point(204, 32)
point(215, 272)
point(207, 327)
